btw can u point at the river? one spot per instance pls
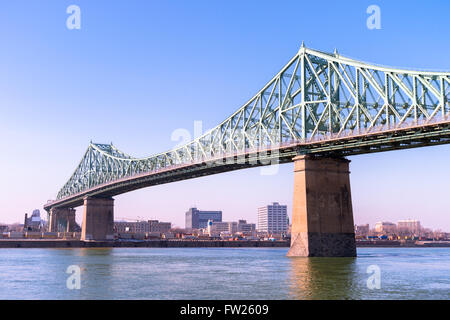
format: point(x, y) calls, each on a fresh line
point(222, 273)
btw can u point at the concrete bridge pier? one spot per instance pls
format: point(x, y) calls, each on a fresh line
point(98, 219)
point(61, 220)
point(322, 216)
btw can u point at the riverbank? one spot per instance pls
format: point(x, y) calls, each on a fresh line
point(401, 243)
point(59, 243)
point(62, 243)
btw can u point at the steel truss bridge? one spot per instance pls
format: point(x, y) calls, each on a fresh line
point(319, 103)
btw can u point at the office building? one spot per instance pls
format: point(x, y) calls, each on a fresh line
point(245, 227)
point(196, 219)
point(385, 227)
point(131, 227)
point(273, 218)
point(218, 227)
point(141, 226)
point(409, 227)
point(157, 226)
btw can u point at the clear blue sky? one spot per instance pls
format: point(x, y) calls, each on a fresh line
point(138, 70)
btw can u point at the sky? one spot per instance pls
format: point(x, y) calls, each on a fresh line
point(136, 71)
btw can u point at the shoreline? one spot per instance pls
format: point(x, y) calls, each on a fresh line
point(61, 243)
point(70, 243)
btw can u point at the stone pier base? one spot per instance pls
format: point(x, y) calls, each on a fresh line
point(322, 216)
point(98, 219)
point(62, 220)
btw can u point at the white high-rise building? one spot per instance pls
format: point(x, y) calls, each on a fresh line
point(273, 218)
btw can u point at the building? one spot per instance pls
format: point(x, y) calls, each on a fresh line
point(409, 227)
point(157, 226)
point(244, 227)
point(218, 227)
point(273, 218)
point(33, 223)
point(141, 226)
point(131, 227)
point(385, 227)
point(196, 219)
point(362, 230)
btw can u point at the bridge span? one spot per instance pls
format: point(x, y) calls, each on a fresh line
point(318, 109)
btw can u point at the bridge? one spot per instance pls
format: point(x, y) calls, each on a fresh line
point(318, 109)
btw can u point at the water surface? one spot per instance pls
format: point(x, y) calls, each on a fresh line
point(222, 273)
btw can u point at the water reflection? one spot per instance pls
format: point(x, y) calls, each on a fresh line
point(323, 278)
point(84, 252)
point(96, 266)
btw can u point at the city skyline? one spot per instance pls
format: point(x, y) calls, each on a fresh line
point(131, 90)
point(143, 218)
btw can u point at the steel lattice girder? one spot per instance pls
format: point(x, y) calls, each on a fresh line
point(316, 99)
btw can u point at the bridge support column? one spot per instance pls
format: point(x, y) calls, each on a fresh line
point(62, 220)
point(322, 216)
point(98, 219)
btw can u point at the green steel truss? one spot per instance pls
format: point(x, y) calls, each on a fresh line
point(316, 97)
